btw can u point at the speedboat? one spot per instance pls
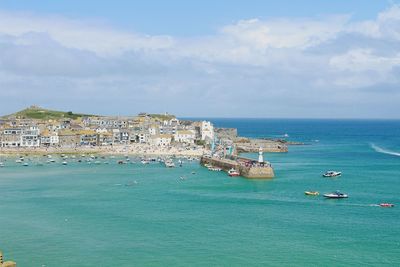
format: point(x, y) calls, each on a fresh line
point(336, 194)
point(232, 172)
point(386, 205)
point(332, 174)
point(311, 193)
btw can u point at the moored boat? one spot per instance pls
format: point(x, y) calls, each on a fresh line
point(232, 172)
point(311, 193)
point(331, 174)
point(169, 164)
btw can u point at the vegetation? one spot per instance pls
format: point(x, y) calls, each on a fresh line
point(162, 117)
point(35, 112)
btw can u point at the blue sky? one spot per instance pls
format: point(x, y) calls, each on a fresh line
point(296, 59)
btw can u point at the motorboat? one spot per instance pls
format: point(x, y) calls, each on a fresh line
point(336, 194)
point(232, 172)
point(386, 205)
point(18, 161)
point(332, 174)
point(311, 193)
point(64, 163)
point(26, 164)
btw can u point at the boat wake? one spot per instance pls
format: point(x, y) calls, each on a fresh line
point(384, 151)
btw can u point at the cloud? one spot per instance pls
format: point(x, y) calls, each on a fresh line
point(276, 67)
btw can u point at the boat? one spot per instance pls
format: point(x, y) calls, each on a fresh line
point(144, 161)
point(336, 194)
point(26, 164)
point(311, 193)
point(332, 174)
point(232, 172)
point(169, 164)
point(18, 161)
point(64, 163)
point(386, 205)
point(1, 164)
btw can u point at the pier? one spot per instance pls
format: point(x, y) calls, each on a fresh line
point(247, 168)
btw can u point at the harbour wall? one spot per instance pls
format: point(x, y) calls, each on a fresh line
point(252, 172)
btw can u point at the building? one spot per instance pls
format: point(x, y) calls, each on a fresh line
point(207, 131)
point(30, 137)
point(161, 140)
point(11, 137)
point(185, 136)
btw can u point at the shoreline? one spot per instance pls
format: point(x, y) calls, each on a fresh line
point(137, 150)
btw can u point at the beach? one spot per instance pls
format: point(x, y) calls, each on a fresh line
point(132, 149)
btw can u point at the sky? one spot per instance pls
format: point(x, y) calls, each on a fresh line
point(255, 58)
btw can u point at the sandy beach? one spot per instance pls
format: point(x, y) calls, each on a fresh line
point(133, 149)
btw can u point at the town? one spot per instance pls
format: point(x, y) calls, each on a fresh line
point(72, 131)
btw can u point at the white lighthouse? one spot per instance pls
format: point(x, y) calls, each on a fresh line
point(260, 156)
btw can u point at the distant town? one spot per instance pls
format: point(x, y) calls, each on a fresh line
point(28, 129)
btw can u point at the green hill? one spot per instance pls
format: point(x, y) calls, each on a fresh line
point(35, 112)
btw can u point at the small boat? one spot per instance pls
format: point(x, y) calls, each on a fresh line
point(232, 172)
point(121, 162)
point(386, 205)
point(64, 163)
point(26, 164)
point(336, 194)
point(332, 174)
point(1, 164)
point(311, 193)
point(18, 161)
point(169, 164)
point(144, 161)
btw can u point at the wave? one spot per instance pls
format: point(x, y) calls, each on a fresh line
point(384, 151)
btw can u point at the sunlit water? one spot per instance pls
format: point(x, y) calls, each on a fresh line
point(146, 215)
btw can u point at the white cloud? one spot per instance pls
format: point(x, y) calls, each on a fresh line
point(281, 61)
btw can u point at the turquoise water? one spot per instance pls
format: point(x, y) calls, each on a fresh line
point(85, 215)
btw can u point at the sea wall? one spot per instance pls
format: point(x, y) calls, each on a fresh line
point(251, 172)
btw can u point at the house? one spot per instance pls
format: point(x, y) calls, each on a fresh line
point(11, 137)
point(170, 126)
point(30, 137)
point(105, 139)
point(161, 140)
point(185, 136)
point(68, 138)
point(88, 138)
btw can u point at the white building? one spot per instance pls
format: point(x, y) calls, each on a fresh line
point(30, 137)
point(161, 140)
point(207, 131)
point(185, 136)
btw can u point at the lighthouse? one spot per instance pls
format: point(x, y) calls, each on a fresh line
point(260, 156)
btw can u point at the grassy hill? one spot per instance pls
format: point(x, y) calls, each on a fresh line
point(34, 112)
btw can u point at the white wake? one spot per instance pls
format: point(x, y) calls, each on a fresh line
point(384, 151)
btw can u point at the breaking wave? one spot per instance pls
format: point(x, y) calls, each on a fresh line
point(384, 151)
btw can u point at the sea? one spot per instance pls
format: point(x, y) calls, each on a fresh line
point(85, 214)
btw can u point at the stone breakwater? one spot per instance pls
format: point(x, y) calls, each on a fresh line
point(247, 167)
point(244, 145)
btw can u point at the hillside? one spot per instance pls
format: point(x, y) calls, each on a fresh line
point(35, 112)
